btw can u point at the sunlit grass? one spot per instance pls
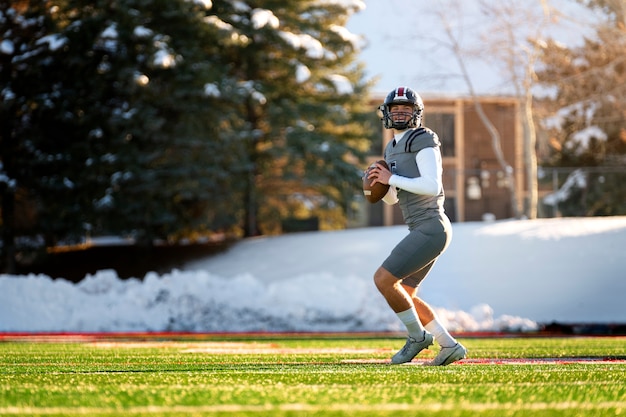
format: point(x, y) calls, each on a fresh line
point(321, 376)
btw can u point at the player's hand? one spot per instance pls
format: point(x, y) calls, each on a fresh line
point(379, 174)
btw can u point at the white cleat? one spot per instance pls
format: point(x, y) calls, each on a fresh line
point(411, 348)
point(447, 355)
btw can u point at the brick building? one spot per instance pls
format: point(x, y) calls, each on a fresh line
point(475, 184)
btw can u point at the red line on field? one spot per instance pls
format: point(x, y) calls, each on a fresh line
point(137, 336)
point(506, 361)
point(199, 336)
point(543, 361)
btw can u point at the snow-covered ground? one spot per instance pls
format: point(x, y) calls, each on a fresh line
point(501, 275)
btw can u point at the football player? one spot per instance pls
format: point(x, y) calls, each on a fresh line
point(415, 179)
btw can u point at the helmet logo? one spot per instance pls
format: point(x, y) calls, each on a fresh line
point(400, 93)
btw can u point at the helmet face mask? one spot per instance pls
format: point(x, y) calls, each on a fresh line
point(405, 96)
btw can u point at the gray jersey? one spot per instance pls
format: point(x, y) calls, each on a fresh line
point(401, 160)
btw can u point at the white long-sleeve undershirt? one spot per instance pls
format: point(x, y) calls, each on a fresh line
point(429, 182)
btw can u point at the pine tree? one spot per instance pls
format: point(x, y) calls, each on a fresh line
point(28, 34)
point(116, 127)
point(164, 119)
point(297, 83)
point(170, 181)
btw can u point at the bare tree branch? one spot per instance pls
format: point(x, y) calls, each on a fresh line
point(455, 48)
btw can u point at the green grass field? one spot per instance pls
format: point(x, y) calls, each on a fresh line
point(309, 376)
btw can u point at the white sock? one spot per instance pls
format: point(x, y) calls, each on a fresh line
point(412, 322)
point(441, 335)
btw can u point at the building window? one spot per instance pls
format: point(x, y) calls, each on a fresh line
point(443, 125)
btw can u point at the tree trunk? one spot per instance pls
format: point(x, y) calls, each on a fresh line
point(250, 217)
point(497, 149)
point(251, 227)
point(493, 132)
point(530, 156)
point(8, 230)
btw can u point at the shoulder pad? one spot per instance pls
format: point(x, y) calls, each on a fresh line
point(421, 138)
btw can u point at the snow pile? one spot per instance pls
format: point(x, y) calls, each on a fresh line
point(569, 270)
point(199, 301)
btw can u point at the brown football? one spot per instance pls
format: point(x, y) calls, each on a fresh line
point(374, 193)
